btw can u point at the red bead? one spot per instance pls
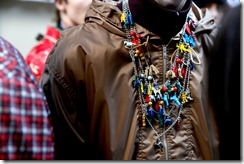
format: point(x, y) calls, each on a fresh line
point(139, 49)
point(135, 41)
point(175, 70)
point(175, 88)
point(157, 106)
point(179, 61)
point(188, 30)
point(138, 36)
point(132, 33)
point(165, 89)
point(147, 99)
point(178, 124)
point(183, 72)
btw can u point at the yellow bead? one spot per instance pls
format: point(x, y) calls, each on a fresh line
point(150, 103)
point(142, 89)
point(143, 120)
point(123, 17)
point(149, 90)
point(161, 102)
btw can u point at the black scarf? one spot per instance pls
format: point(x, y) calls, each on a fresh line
point(165, 23)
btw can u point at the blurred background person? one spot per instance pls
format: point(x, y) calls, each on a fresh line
point(26, 130)
point(68, 13)
point(216, 7)
point(224, 84)
point(234, 3)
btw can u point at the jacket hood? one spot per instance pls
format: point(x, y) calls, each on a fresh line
point(204, 19)
point(106, 15)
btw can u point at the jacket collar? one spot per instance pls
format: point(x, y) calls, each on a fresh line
point(108, 16)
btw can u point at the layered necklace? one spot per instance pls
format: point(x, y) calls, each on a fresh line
point(159, 102)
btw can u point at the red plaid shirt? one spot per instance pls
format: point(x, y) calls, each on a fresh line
point(25, 126)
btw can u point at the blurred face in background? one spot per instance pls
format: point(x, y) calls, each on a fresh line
point(172, 4)
point(72, 12)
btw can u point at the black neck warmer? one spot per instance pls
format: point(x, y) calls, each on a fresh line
point(165, 23)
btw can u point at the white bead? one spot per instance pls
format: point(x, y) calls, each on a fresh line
point(150, 78)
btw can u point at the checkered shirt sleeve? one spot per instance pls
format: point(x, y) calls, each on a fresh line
point(25, 126)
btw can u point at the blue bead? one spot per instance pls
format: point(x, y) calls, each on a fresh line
point(150, 113)
point(161, 111)
point(168, 121)
point(130, 20)
point(192, 65)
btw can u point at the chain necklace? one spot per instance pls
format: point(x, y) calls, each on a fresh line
point(159, 102)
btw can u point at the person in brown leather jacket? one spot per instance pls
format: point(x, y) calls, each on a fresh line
point(131, 83)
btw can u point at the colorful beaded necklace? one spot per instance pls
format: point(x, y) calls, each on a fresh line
point(158, 101)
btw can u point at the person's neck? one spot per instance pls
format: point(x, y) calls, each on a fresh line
point(164, 22)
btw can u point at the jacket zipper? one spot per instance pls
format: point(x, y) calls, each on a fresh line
point(164, 72)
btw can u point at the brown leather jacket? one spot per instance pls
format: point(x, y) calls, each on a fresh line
point(87, 81)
